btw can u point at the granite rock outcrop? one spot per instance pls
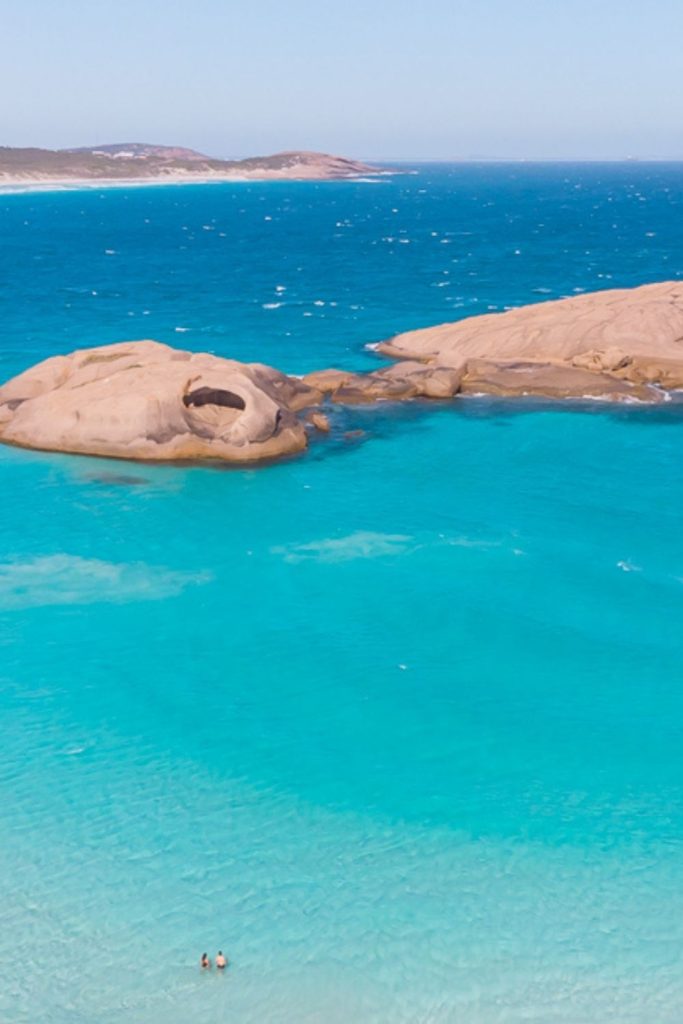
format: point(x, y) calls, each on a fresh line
point(630, 335)
point(145, 400)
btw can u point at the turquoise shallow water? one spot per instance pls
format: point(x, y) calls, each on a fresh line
point(397, 725)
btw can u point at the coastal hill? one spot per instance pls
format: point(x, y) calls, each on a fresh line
point(146, 400)
point(139, 151)
point(141, 162)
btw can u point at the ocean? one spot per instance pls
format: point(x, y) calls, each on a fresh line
point(397, 725)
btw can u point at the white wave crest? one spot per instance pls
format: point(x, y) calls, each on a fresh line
point(69, 579)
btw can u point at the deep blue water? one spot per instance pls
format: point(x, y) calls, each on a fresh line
point(397, 725)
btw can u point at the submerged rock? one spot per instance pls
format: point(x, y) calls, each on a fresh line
point(116, 479)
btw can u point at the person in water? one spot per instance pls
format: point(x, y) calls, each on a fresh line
point(205, 963)
point(221, 962)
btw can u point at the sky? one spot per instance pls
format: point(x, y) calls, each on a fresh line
point(379, 79)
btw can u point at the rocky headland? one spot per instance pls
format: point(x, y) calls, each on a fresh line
point(140, 163)
point(148, 401)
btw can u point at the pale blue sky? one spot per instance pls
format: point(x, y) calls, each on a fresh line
point(436, 79)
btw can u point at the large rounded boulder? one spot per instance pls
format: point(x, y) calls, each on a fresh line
point(145, 400)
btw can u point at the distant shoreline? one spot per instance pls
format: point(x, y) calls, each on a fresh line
point(20, 186)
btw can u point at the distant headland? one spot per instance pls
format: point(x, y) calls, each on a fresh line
point(148, 401)
point(142, 163)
